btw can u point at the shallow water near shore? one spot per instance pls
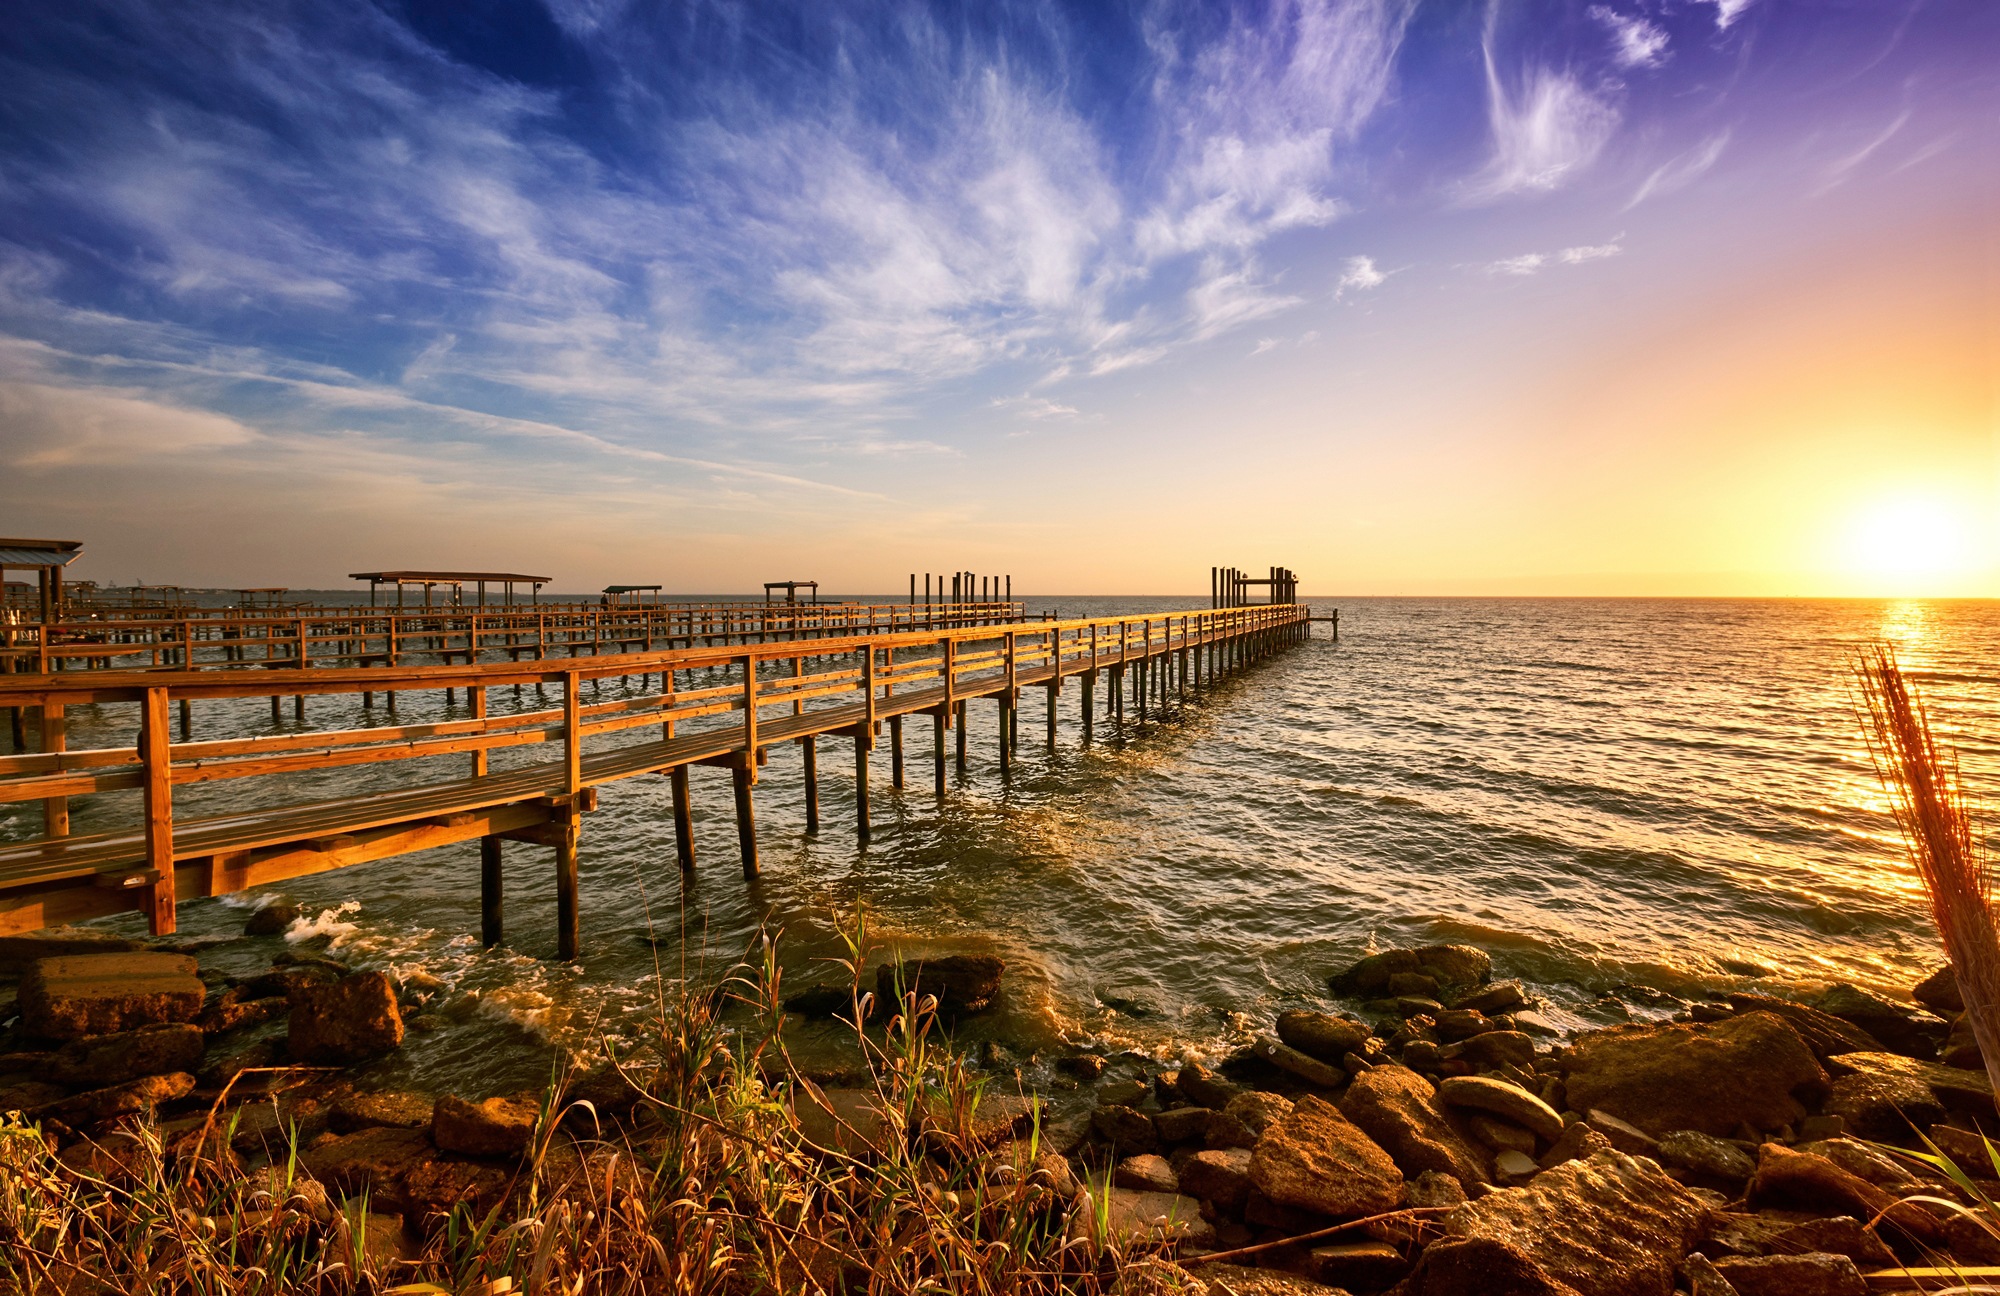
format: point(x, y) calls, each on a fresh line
point(1628, 802)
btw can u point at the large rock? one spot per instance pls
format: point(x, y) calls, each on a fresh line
point(496, 1127)
point(346, 1021)
point(1303, 1065)
point(17, 953)
point(385, 1109)
point(139, 1097)
point(1606, 1225)
point(1447, 965)
point(1322, 1035)
point(376, 1161)
point(1803, 1181)
point(1939, 992)
point(963, 983)
point(1220, 1176)
point(1504, 1099)
point(1713, 1078)
point(1135, 1218)
point(74, 995)
point(271, 919)
point(850, 1122)
point(96, 1062)
point(1901, 1028)
point(1956, 1087)
point(1823, 1033)
point(1793, 1275)
point(1888, 1108)
point(433, 1188)
point(1395, 1107)
point(1317, 1160)
point(1480, 1266)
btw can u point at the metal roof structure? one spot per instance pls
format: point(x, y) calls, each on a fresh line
point(39, 553)
point(456, 579)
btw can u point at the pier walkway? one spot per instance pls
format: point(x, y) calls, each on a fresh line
point(776, 692)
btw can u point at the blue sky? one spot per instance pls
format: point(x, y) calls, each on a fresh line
point(1395, 294)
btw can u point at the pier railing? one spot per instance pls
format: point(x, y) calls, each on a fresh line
point(726, 705)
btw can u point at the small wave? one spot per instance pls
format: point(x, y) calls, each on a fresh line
point(331, 924)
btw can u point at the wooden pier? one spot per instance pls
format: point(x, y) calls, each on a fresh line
point(779, 687)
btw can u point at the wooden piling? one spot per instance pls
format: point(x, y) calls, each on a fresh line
point(677, 777)
point(569, 920)
point(861, 745)
point(896, 752)
point(490, 887)
point(742, 777)
point(811, 744)
point(937, 734)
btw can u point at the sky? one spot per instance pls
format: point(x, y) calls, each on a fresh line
point(1634, 297)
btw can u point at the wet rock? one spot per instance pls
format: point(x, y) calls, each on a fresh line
point(1609, 1225)
point(17, 953)
point(1456, 965)
point(387, 1109)
point(1500, 1135)
point(1705, 1155)
point(1803, 1181)
point(1711, 1078)
point(1125, 1129)
point(1132, 1218)
point(1503, 1099)
point(231, 1011)
point(1413, 985)
point(1122, 1093)
point(1322, 1035)
point(1939, 993)
point(278, 982)
point(1494, 1049)
point(1205, 1088)
point(346, 1021)
point(1220, 1176)
point(1459, 965)
point(437, 1187)
point(1793, 1275)
point(1316, 1160)
point(1901, 1028)
point(1303, 1065)
point(1822, 1032)
point(1362, 1266)
point(140, 1097)
point(494, 1127)
point(1454, 1024)
point(1434, 1189)
point(1959, 1088)
point(374, 1161)
point(1182, 1124)
point(73, 995)
point(1500, 997)
point(1396, 1108)
point(271, 919)
point(846, 1121)
point(1226, 1131)
point(225, 1070)
point(963, 983)
point(1577, 1141)
point(1891, 1108)
point(1961, 1046)
point(1257, 1109)
point(1480, 1266)
point(1147, 1172)
point(98, 1061)
point(1084, 1066)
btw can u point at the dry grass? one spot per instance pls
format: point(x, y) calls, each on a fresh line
point(1929, 803)
point(709, 1184)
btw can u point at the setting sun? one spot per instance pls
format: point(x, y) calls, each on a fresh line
point(1910, 544)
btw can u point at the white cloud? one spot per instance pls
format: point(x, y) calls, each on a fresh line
point(1635, 42)
point(1526, 264)
point(1545, 130)
point(1359, 274)
point(1035, 407)
point(1578, 255)
point(1227, 297)
point(1726, 11)
point(1839, 169)
point(50, 426)
point(1681, 170)
point(1263, 345)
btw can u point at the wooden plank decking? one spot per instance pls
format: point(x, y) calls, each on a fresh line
point(796, 691)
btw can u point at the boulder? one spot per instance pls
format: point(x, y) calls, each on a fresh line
point(1433, 1189)
point(1901, 1028)
point(1205, 1088)
point(1939, 993)
point(1455, 1024)
point(1226, 1131)
point(1322, 1035)
point(1606, 1225)
point(1888, 1108)
point(1182, 1124)
point(1713, 1078)
point(1395, 1107)
point(1961, 1046)
point(1220, 1176)
point(234, 1009)
point(1705, 1155)
point(1315, 1159)
point(1959, 1088)
point(1577, 1141)
point(1125, 1129)
point(1257, 1109)
point(1303, 1065)
point(1147, 1172)
point(141, 1097)
point(1786, 1234)
point(1500, 997)
point(1503, 1099)
point(1480, 1266)
point(1457, 965)
point(1823, 1033)
point(1137, 1218)
point(1493, 1049)
point(1803, 1181)
point(271, 919)
point(346, 1021)
point(388, 1109)
point(73, 995)
point(1793, 1275)
point(963, 983)
point(18, 953)
point(99, 1061)
point(431, 1188)
point(1501, 1135)
point(375, 1161)
point(494, 1127)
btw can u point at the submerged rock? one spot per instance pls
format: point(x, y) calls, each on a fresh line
point(1317, 1160)
point(963, 983)
point(74, 995)
point(1607, 1225)
point(1713, 1078)
point(1455, 965)
point(271, 919)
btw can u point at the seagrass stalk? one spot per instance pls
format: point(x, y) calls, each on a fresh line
point(1929, 803)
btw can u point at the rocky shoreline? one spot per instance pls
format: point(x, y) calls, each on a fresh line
point(1446, 1141)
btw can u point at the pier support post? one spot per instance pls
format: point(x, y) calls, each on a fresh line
point(962, 712)
point(187, 719)
point(811, 743)
point(937, 735)
point(490, 885)
point(1052, 715)
point(55, 810)
point(861, 744)
point(896, 752)
point(569, 923)
point(1006, 735)
point(742, 776)
point(1089, 701)
point(683, 818)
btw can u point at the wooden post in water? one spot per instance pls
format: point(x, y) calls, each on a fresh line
point(569, 921)
point(490, 889)
point(683, 818)
point(861, 783)
point(811, 744)
point(896, 752)
point(962, 712)
point(937, 735)
point(743, 776)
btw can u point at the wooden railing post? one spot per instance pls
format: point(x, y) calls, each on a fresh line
point(55, 810)
point(156, 762)
point(750, 714)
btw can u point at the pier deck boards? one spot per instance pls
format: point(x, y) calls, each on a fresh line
point(873, 680)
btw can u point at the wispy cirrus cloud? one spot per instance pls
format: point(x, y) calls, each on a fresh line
point(1636, 41)
point(1679, 171)
point(1546, 127)
point(1359, 274)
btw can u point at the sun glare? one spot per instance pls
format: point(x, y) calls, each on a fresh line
point(1909, 545)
